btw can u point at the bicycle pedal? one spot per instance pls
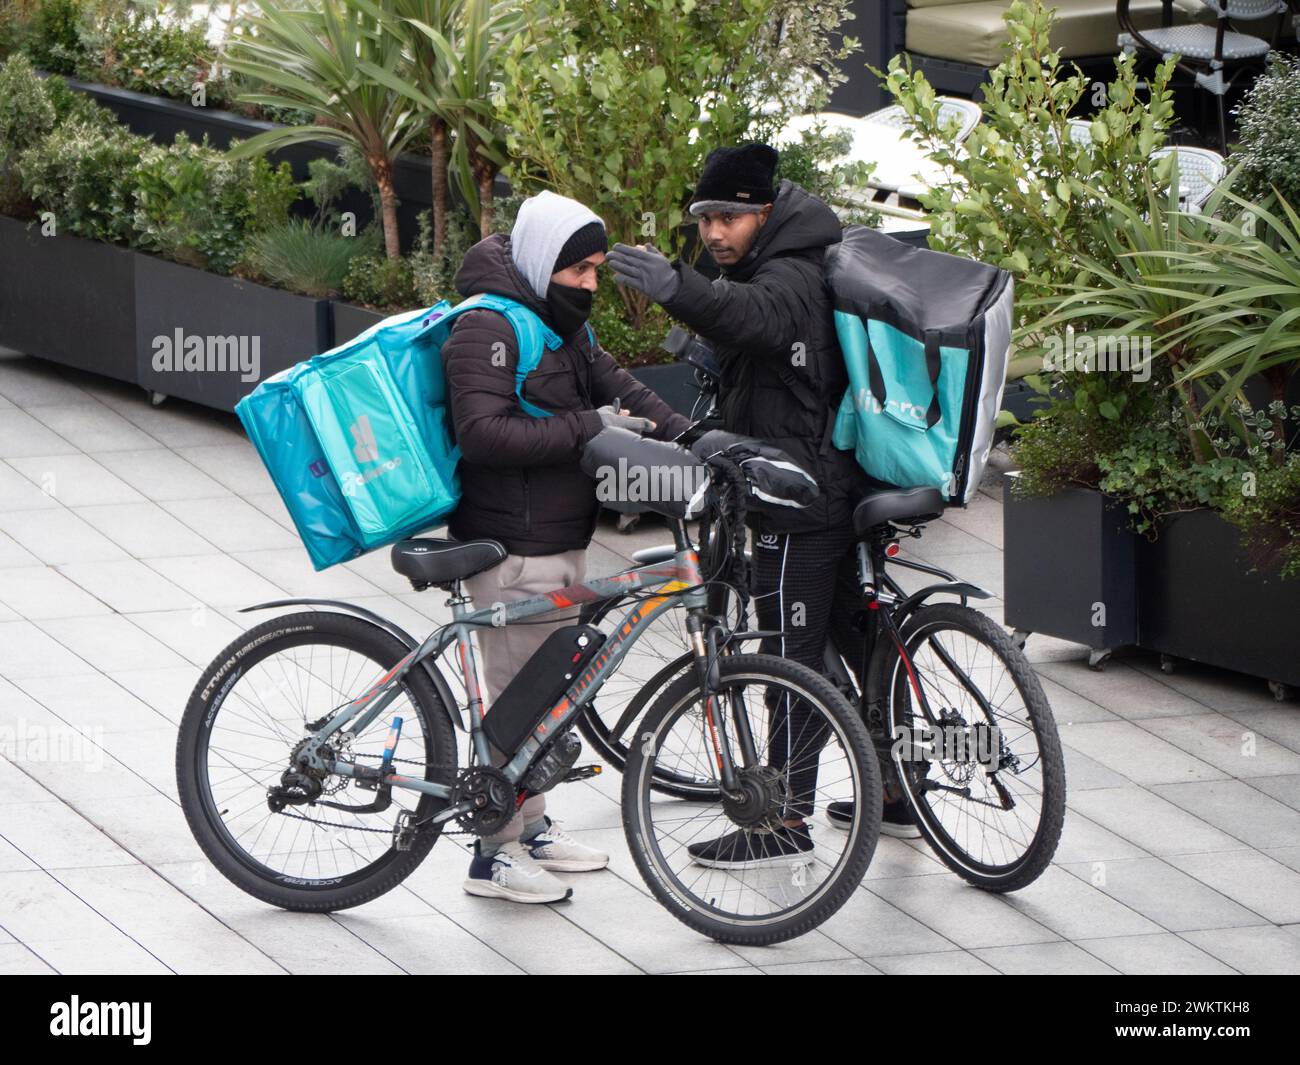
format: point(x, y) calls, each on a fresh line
point(582, 772)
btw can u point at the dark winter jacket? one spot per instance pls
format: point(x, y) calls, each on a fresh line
point(771, 320)
point(520, 481)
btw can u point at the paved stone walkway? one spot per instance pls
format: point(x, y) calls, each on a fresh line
point(129, 537)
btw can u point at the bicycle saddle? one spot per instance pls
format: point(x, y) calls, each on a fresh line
point(428, 561)
point(896, 504)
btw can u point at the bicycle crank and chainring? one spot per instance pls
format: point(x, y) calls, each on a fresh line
point(491, 798)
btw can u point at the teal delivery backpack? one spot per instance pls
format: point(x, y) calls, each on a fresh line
point(356, 438)
point(926, 337)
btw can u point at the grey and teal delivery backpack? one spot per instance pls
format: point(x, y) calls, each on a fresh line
point(356, 439)
point(926, 338)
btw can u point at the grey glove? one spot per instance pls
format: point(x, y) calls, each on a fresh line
point(644, 269)
point(610, 416)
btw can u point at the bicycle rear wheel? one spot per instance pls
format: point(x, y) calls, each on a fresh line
point(979, 757)
point(248, 713)
point(726, 865)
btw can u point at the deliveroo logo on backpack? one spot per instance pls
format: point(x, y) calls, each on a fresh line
point(365, 449)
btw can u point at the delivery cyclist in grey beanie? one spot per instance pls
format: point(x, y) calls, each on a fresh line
point(520, 479)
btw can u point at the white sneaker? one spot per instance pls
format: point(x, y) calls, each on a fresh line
point(553, 848)
point(512, 874)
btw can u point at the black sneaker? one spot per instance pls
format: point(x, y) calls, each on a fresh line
point(754, 847)
point(897, 820)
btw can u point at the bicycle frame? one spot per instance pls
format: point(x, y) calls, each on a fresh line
point(675, 583)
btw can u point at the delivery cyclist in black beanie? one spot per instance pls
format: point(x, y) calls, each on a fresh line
point(521, 482)
point(771, 321)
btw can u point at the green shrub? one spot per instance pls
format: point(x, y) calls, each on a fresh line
point(816, 162)
point(378, 281)
point(435, 276)
point(194, 205)
point(26, 116)
point(53, 39)
point(305, 258)
point(1269, 517)
point(1268, 130)
point(136, 50)
point(85, 177)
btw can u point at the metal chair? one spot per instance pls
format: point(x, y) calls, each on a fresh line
point(1199, 170)
point(966, 112)
point(1206, 52)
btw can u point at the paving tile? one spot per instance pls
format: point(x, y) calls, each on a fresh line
point(26, 651)
point(234, 525)
point(55, 836)
point(872, 927)
point(842, 967)
point(1264, 951)
point(1123, 690)
point(1083, 840)
point(94, 428)
point(197, 635)
point(75, 480)
point(166, 922)
point(12, 556)
point(19, 493)
point(166, 690)
point(161, 475)
point(234, 464)
point(217, 580)
point(16, 785)
point(176, 423)
point(29, 382)
point(127, 586)
point(1227, 745)
point(1285, 789)
point(948, 963)
point(92, 701)
point(981, 517)
point(1070, 708)
point(111, 643)
point(1238, 809)
point(13, 860)
point(1074, 909)
point(56, 537)
point(1150, 821)
point(1166, 895)
point(109, 954)
point(291, 569)
point(21, 434)
point(1255, 880)
point(962, 914)
point(17, 959)
point(145, 530)
point(1279, 722)
point(1163, 954)
point(1141, 757)
point(1043, 959)
point(431, 944)
point(1083, 773)
point(40, 592)
point(37, 907)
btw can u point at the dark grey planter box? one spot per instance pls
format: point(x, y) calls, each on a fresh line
point(239, 323)
point(349, 320)
point(68, 300)
point(673, 382)
point(1201, 602)
point(1063, 556)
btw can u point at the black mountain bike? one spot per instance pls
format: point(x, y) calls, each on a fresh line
point(961, 724)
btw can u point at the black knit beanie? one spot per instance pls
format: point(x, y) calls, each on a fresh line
point(736, 179)
point(586, 241)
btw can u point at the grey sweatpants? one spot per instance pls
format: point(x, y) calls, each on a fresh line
point(502, 651)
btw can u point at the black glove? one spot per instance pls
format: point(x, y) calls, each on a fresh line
point(646, 270)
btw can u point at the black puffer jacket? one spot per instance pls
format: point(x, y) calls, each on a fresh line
point(770, 318)
point(520, 481)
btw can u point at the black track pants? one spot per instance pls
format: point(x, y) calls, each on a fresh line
point(806, 585)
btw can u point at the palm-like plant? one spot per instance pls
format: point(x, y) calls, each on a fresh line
point(313, 60)
point(1219, 302)
point(457, 54)
point(423, 82)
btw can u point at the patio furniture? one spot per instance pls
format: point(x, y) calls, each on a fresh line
point(966, 112)
point(1199, 170)
point(1207, 52)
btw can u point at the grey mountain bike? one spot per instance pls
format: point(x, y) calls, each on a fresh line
point(317, 764)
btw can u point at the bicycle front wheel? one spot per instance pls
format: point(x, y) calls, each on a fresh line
point(759, 864)
point(978, 755)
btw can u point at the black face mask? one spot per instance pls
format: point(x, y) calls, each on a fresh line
point(570, 308)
